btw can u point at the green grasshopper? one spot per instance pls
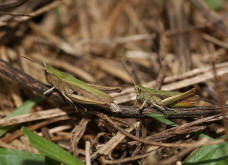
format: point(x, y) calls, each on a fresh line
point(164, 100)
point(75, 90)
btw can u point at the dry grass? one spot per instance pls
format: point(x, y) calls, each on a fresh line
point(168, 46)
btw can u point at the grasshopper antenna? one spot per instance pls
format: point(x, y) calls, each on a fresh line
point(43, 60)
point(42, 57)
point(123, 61)
point(135, 80)
point(27, 58)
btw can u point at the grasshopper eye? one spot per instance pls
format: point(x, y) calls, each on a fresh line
point(139, 90)
point(46, 73)
point(74, 92)
point(70, 91)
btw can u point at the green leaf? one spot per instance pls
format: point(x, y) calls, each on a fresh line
point(50, 149)
point(14, 157)
point(216, 154)
point(25, 108)
point(215, 4)
point(162, 119)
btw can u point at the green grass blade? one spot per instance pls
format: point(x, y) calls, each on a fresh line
point(50, 149)
point(216, 154)
point(162, 119)
point(73, 81)
point(25, 108)
point(14, 157)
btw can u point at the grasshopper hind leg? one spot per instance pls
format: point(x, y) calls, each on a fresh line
point(164, 110)
point(160, 108)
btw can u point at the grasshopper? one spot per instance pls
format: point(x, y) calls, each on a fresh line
point(163, 100)
point(75, 90)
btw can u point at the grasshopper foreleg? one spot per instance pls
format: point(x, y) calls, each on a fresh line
point(143, 105)
point(69, 100)
point(49, 91)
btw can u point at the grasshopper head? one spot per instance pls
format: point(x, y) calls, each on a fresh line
point(46, 73)
point(48, 76)
point(138, 93)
